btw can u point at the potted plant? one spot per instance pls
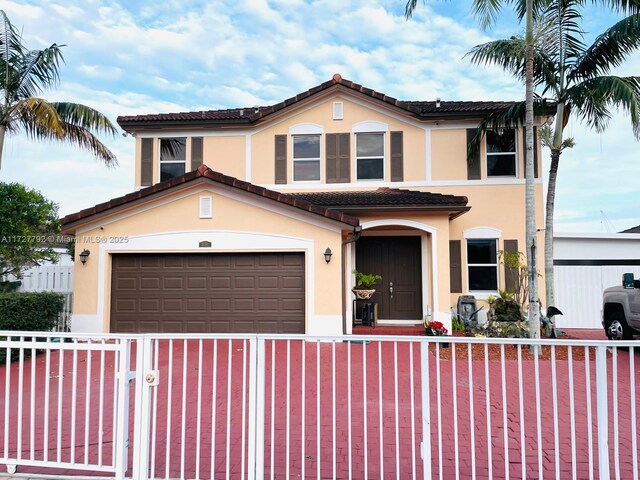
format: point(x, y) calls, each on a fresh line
point(364, 285)
point(433, 328)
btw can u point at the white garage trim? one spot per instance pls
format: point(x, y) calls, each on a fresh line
point(187, 242)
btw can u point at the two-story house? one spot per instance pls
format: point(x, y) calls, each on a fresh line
point(253, 219)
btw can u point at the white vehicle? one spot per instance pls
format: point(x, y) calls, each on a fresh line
point(621, 309)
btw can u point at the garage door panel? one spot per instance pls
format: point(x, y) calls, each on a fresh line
point(223, 293)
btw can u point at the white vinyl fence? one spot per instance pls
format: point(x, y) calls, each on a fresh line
point(257, 406)
point(579, 292)
point(52, 278)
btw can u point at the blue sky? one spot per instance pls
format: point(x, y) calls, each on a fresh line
point(133, 57)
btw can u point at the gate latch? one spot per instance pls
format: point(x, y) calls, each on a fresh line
point(152, 378)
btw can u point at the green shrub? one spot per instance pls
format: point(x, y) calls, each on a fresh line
point(456, 325)
point(33, 312)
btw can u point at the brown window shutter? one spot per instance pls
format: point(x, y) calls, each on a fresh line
point(455, 266)
point(473, 163)
point(535, 152)
point(281, 159)
point(396, 157)
point(344, 158)
point(146, 162)
point(196, 152)
point(338, 158)
point(510, 274)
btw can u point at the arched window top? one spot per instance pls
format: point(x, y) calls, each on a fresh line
point(482, 232)
point(305, 129)
point(370, 126)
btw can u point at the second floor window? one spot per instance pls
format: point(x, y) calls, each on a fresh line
point(370, 156)
point(501, 153)
point(306, 158)
point(173, 158)
point(482, 262)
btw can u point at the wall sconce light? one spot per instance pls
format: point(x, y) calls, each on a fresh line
point(327, 255)
point(84, 255)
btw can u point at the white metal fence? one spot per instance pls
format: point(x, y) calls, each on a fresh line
point(255, 406)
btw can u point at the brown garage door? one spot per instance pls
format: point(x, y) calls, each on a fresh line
point(216, 293)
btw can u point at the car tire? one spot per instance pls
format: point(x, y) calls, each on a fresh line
point(616, 327)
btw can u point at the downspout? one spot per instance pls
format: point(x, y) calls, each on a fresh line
point(353, 237)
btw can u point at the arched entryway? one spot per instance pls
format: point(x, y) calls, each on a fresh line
point(402, 252)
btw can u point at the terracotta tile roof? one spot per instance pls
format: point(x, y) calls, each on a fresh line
point(249, 115)
point(205, 172)
point(632, 230)
point(385, 197)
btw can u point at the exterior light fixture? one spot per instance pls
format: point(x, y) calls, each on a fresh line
point(327, 255)
point(84, 255)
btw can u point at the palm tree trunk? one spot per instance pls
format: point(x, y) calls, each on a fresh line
point(530, 206)
point(3, 131)
point(548, 228)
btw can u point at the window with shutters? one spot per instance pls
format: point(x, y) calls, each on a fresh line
point(306, 158)
point(482, 264)
point(501, 153)
point(173, 158)
point(370, 156)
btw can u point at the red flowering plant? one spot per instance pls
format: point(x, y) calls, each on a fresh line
point(434, 329)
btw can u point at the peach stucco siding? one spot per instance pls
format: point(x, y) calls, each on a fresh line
point(145, 228)
point(434, 160)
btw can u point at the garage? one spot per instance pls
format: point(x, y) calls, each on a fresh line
point(208, 293)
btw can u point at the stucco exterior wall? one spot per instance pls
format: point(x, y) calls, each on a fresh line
point(238, 224)
point(226, 154)
point(321, 114)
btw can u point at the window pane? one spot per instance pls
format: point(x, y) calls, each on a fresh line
point(306, 146)
point(370, 145)
point(481, 251)
point(171, 170)
point(370, 169)
point(173, 149)
point(501, 141)
point(483, 278)
point(306, 171)
point(501, 165)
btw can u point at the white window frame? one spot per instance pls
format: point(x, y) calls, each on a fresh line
point(384, 157)
point(294, 159)
point(162, 162)
point(483, 294)
point(514, 153)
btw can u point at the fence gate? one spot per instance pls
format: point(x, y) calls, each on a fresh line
point(192, 410)
point(65, 403)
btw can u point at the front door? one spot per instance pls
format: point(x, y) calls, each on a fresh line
point(399, 261)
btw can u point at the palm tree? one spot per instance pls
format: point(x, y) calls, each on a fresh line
point(577, 78)
point(487, 11)
point(24, 74)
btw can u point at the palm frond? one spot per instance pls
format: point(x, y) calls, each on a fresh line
point(10, 43)
point(410, 7)
point(83, 116)
point(593, 99)
point(621, 6)
point(609, 49)
point(512, 116)
point(486, 12)
point(86, 140)
point(510, 55)
point(36, 116)
point(42, 71)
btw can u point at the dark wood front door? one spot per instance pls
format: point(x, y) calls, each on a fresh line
point(399, 261)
